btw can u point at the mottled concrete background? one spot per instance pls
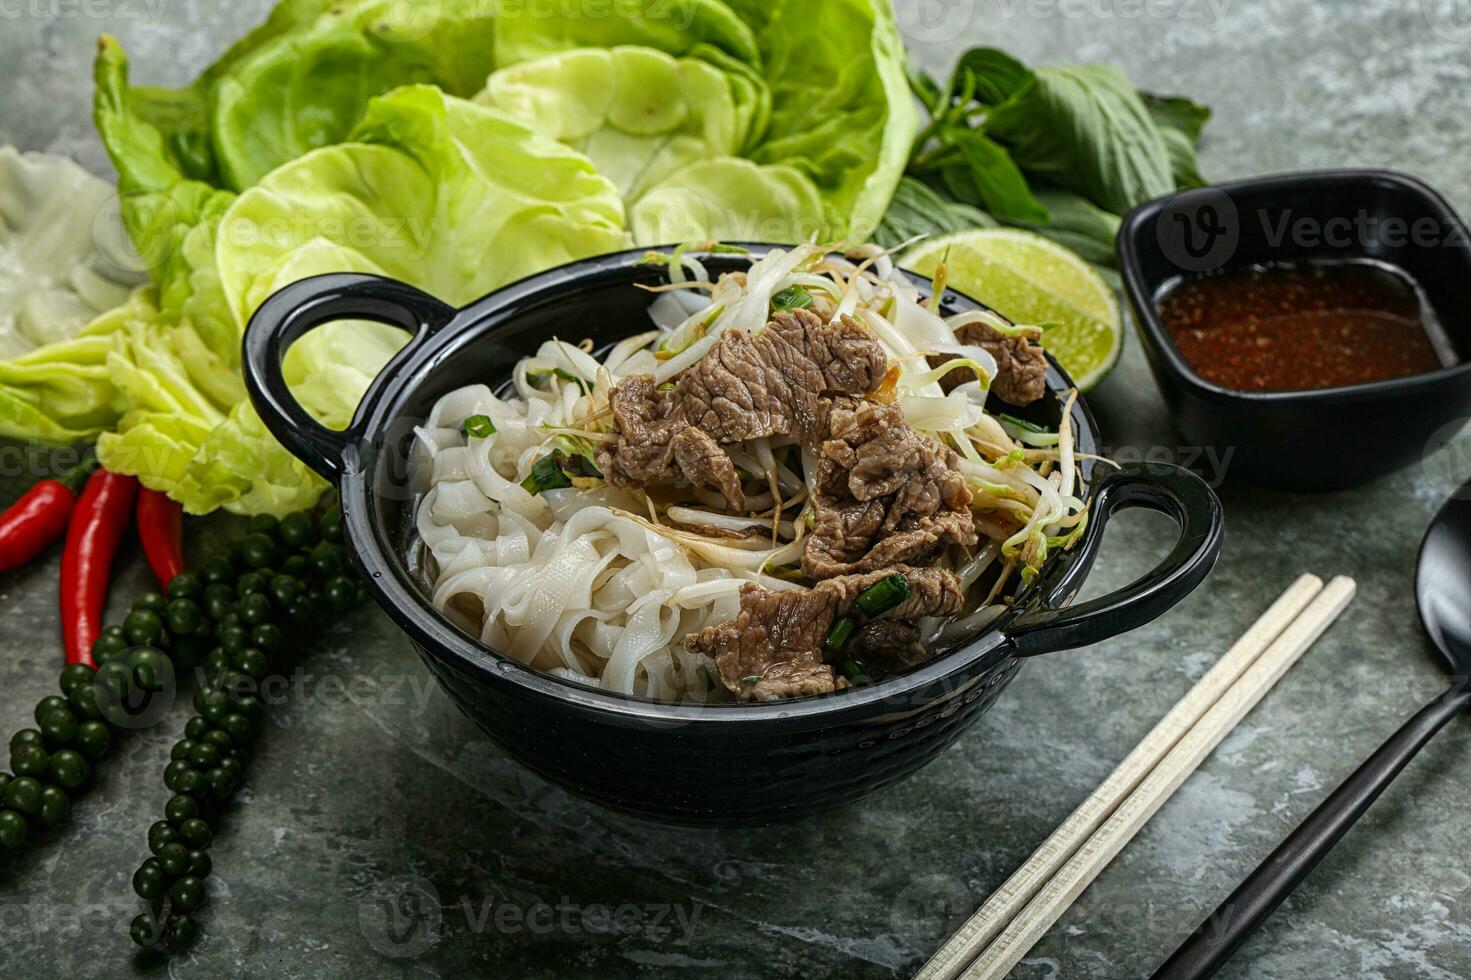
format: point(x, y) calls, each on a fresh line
point(389, 794)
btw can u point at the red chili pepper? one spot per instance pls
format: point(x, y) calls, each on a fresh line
point(39, 517)
point(97, 526)
point(161, 529)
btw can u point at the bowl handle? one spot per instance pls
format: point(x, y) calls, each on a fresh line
point(287, 316)
point(1172, 490)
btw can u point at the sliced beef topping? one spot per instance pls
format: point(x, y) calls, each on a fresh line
point(885, 495)
point(784, 381)
point(1021, 365)
point(774, 647)
point(890, 645)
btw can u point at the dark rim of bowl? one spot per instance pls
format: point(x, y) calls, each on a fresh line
point(1149, 322)
point(440, 637)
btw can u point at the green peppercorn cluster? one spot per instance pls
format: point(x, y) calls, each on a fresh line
point(286, 572)
point(224, 621)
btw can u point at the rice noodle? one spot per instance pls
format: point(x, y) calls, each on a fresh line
point(599, 585)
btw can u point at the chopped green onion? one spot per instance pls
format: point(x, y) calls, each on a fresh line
point(704, 673)
point(562, 373)
point(838, 635)
point(479, 426)
point(546, 475)
point(668, 386)
point(719, 248)
point(791, 298)
point(853, 670)
point(652, 258)
point(751, 679)
point(1022, 424)
point(882, 596)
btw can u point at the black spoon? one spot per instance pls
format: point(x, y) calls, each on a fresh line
point(1443, 592)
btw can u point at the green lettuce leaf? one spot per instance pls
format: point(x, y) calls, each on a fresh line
point(65, 269)
point(638, 113)
point(842, 113)
point(451, 196)
point(527, 31)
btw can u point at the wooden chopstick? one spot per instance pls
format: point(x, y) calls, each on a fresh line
point(1010, 898)
point(1022, 933)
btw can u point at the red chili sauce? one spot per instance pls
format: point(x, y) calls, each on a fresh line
point(1301, 327)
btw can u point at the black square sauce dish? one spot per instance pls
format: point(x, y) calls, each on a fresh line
point(1315, 326)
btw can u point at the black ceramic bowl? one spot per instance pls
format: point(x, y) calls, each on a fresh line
point(1332, 438)
point(726, 764)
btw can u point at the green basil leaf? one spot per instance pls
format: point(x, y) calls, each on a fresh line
point(1085, 128)
point(1078, 224)
point(995, 76)
point(1180, 121)
point(919, 211)
point(1000, 187)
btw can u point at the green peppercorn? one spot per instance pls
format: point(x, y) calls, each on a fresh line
point(220, 739)
point(340, 592)
point(249, 705)
point(144, 929)
point(216, 705)
point(161, 833)
point(83, 701)
point(284, 590)
point(148, 882)
point(267, 636)
point(68, 769)
point(181, 749)
point(55, 805)
point(188, 651)
point(182, 929)
point(248, 584)
point(184, 617)
point(153, 602)
point(300, 611)
point(29, 760)
point(27, 736)
point(217, 570)
point(93, 740)
point(217, 607)
point(326, 559)
point(196, 728)
point(296, 566)
point(187, 894)
point(217, 661)
point(298, 530)
point(107, 646)
point(185, 585)
point(12, 829)
point(204, 756)
point(115, 677)
point(75, 675)
point(234, 637)
point(173, 859)
point(255, 608)
point(264, 524)
point(239, 728)
point(59, 726)
point(258, 551)
point(200, 864)
point(173, 772)
point(23, 794)
point(143, 626)
point(180, 808)
point(195, 832)
point(252, 662)
point(191, 783)
point(5, 779)
point(47, 705)
point(221, 783)
point(331, 524)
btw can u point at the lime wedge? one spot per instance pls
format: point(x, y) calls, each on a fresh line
point(1030, 280)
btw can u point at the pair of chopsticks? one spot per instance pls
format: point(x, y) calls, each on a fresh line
point(1021, 911)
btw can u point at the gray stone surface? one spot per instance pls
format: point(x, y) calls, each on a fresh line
point(390, 794)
